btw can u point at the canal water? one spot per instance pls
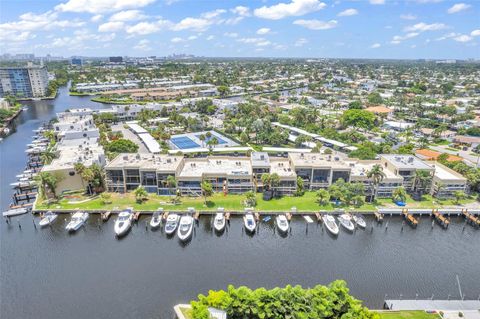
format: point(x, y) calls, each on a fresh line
point(47, 273)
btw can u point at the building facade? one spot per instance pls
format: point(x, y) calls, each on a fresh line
point(24, 82)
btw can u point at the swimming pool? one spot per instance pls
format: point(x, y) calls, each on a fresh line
point(183, 142)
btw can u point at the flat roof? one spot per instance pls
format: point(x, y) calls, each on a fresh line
point(151, 144)
point(199, 167)
point(144, 161)
point(137, 128)
point(406, 161)
point(445, 173)
point(260, 159)
point(317, 160)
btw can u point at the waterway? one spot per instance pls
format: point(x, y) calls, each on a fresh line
point(47, 273)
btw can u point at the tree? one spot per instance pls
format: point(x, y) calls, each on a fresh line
point(377, 175)
point(323, 197)
point(202, 138)
point(47, 183)
point(48, 155)
point(355, 105)
point(266, 180)
point(375, 98)
point(250, 199)
point(459, 195)
point(122, 146)
point(422, 181)
point(207, 190)
point(399, 194)
point(300, 187)
point(171, 181)
point(141, 194)
point(223, 90)
point(105, 198)
point(274, 181)
point(358, 118)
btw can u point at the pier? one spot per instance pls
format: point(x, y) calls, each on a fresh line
point(412, 221)
point(471, 219)
point(441, 219)
point(429, 304)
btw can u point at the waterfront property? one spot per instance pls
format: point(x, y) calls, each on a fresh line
point(239, 174)
point(24, 82)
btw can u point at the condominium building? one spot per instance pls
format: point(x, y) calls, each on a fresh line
point(239, 174)
point(24, 82)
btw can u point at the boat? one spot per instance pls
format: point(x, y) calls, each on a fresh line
point(249, 222)
point(48, 219)
point(330, 224)
point(15, 212)
point(78, 220)
point(219, 222)
point(282, 223)
point(24, 108)
point(346, 221)
point(123, 222)
point(358, 219)
point(6, 131)
point(185, 228)
point(171, 224)
point(156, 219)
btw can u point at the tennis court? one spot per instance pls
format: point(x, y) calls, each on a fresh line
point(220, 141)
point(184, 142)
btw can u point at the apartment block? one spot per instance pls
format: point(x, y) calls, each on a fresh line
point(24, 82)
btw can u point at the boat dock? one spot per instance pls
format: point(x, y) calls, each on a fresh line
point(441, 219)
point(471, 219)
point(412, 221)
point(428, 304)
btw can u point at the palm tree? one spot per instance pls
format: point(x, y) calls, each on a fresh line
point(48, 156)
point(377, 175)
point(207, 190)
point(422, 180)
point(202, 138)
point(399, 194)
point(141, 194)
point(323, 196)
point(47, 182)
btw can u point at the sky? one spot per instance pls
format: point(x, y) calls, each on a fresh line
point(395, 29)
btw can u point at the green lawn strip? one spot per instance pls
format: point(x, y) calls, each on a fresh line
point(407, 315)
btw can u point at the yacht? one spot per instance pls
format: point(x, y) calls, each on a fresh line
point(249, 222)
point(156, 219)
point(358, 219)
point(219, 222)
point(346, 221)
point(48, 219)
point(185, 228)
point(330, 224)
point(78, 220)
point(171, 224)
point(282, 223)
point(15, 212)
point(123, 222)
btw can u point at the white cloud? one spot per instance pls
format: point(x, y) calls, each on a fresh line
point(463, 38)
point(176, 40)
point(295, 8)
point(143, 45)
point(192, 37)
point(110, 26)
point(408, 16)
point(99, 6)
point(422, 26)
point(458, 7)
point(399, 38)
point(231, 34)
point(96, 18)
point(260, 42)
point(128, 15)
point(210, 37)
point(375, 45)
point(241, 11)
point(144, 28)
point(447, 36)
point(475, 33)
point(377, 2)
point(213, 14)
point(316, 24)
point(348, 12)
point(301, 42)
point(196, 24)
point(263, 31)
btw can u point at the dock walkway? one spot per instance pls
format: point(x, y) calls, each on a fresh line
point(428, 304)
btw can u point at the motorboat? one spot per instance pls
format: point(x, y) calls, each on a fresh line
point(249, 222)
point(171, 224)
point(156, 219)
point(48, 219)
point(185, 228)
point(330, 224)
point(22, 184)
point(78, 220)
point(15, 212)
point(358, 219)
point(282, 223)
point(123, 222)
point(346, 221)
point(219, 222)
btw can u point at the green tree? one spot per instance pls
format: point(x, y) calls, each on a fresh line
point(122, 146)
point(399, 194)
point(376, 174)
point(141, 194)
point(323, 197)
point(250, 199)
point(459, 195)
point(422, 181)
point(358, 118)
point(207, 190)
point(375, 98)
point(300, 187)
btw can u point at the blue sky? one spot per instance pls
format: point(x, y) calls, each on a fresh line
point(271, 28)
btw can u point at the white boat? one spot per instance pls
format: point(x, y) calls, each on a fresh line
point(219, 222)
point(48, 219)
point(185, 228)
point(123, 223)
point(282, 223)
point(22, 184)
point(346, 221)
point(156, 219)
point(78, 220)
point(330, 224)
point(171, 224)
point(249, 222)
point(24, 108)
point(358, 219)
point(6, 131)
point(15, 212)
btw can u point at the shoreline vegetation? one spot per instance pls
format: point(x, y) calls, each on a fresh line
point(305, 203)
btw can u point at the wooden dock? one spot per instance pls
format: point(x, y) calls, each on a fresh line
point(412, 221)
point(136, 216)
point(379, 216)
point(471, 219)
point(227, 216)
point(196, 216)
point(289, 216)
point(106, 216)
point(440, 218)
point(257, 216)
point(319, 217)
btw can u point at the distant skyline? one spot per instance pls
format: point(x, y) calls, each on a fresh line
point(407, 29)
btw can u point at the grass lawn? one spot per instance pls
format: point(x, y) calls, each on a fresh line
point(427, 202)
point(407, 315)
point(230, 202)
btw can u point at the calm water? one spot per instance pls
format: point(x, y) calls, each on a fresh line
point(47, 273)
